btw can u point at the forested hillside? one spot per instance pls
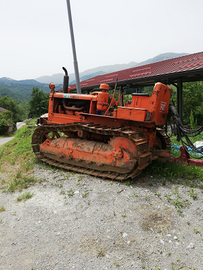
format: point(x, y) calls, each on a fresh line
point(20, 90)
point(4, 91)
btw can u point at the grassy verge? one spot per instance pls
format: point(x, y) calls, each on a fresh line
point(17, 161)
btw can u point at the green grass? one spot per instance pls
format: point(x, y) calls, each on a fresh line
point(17, 160)
point(25, 197)
point(2, 209)
point(21, 182)
point(172, 170)
point(19, 150)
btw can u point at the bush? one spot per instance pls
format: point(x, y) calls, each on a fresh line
point(5, 120)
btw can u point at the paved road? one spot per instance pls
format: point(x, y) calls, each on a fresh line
point(5, 140)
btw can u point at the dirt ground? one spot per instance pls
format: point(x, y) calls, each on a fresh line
point(75, 221)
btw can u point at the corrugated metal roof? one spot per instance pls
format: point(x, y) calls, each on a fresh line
point(179, 65)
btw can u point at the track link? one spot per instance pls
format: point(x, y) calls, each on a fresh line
point(144, 154)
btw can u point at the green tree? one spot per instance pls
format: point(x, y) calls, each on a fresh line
point(5, 120)
point(17, 111)
point(38, 104)
point(193, 102)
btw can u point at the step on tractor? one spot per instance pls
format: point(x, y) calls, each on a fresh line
point(95, 134)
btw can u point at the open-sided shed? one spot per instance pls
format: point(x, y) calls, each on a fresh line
point(173, 71)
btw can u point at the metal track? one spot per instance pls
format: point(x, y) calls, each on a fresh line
point(166, 138)
point(144, 155)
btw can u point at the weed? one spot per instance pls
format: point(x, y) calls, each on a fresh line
point(78, 182)
point(164, 182)
point(2, 209)
point(62, 192)
point(84, 195)
point(21, 182)
point(100, 254)
point(58, 185)
point(176, 192)
point(128, 183)
point(117, 264)
point(135, 195)
point(158, 267)
point(180, 204)
point(70, 193)
point(79, 179)
point(197, 231)
point(25, 196)
point(193, 185)
point(147, 198)
point(168, 197)
point(124, 215)
point(193, 194)
point(157, 194)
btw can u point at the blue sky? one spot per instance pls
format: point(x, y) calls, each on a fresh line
point(35, 38)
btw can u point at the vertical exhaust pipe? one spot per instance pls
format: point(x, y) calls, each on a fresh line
point(65, 80)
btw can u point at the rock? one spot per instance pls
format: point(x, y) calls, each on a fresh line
point(190, 246)
point(20, 124)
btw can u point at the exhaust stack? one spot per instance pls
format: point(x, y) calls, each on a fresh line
point(65, 80)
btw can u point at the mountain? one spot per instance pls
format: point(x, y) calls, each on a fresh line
point(161, 57)
point(90, 73)
point(9, 81)
point(7, 92)
point(21, 90)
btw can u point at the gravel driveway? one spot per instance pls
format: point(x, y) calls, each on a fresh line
point(76, 221)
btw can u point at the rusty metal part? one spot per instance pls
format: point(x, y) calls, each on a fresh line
point(139, 150)
point(74, 150)
point(185, 159)
point(162, 145)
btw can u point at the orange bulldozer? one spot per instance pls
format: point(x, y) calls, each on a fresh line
point(97, 135)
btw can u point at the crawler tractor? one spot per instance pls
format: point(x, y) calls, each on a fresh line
point(97, 135)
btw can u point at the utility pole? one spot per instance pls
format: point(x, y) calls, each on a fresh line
point(73, 49)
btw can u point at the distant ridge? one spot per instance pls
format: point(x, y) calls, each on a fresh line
point(20, 90)
point(9, 81)
point(90, 73)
